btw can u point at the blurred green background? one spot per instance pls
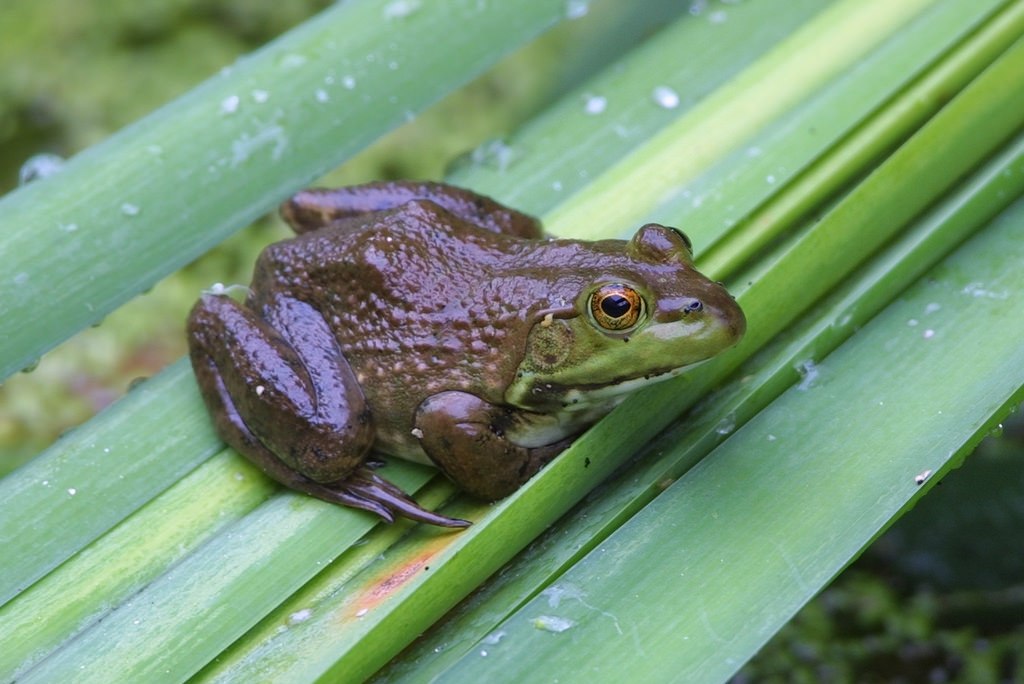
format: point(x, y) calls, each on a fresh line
point(939, 597)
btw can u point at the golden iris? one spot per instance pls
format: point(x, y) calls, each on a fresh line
point(616, 307)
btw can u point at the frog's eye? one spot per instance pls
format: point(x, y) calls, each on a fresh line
point(616, 307)
point(685, 238)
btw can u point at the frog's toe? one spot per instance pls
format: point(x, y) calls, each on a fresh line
point(366, 490)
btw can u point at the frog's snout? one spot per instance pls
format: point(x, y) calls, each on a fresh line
point(722, 317)
point(713, 306)
point(736, 322)
point(721, 307)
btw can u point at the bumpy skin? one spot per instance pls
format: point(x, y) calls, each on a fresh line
point(434, 324)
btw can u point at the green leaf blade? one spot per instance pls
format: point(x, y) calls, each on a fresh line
point(96, 475)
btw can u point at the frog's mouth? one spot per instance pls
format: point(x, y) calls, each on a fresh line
point(607, 394)
point(567, 411)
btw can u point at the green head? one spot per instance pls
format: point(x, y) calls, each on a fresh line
point(637, 313)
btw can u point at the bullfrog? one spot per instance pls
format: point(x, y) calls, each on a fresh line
point(430, 323)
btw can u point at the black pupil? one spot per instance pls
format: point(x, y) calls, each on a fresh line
point(615, 306)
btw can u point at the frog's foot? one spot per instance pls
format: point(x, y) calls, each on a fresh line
point(369, 491)
point(469, 439)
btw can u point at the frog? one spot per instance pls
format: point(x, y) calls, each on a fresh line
point(427, 322)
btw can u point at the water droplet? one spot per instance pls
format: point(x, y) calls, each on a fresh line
point(260, 96)
point(229, 105)
point(726, 426)
point(272, 135)
point(31, 366)
point(493, 637)
point(222, 289)
point(401, 8)
point(20, 278)
point(665, 97)
point(978, 289)
point(553, 623)
point(576, 9)
point(718, 17)
point(494, 153)
point(595, 104)
point(72, 491)
point(293, 61)
point(321, 95)
point(129, 209)
point(39, 166)
point(809, 374)
point(349, 82)
point(300, 616)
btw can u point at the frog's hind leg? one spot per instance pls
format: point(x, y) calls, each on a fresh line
point(212, 320)
point(317, 208)
point(363, 489)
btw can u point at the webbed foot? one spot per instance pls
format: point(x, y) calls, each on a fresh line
point(369, 491)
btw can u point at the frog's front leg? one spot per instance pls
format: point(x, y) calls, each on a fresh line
point(470, 440)
point(283, 396)
point(320, 207)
